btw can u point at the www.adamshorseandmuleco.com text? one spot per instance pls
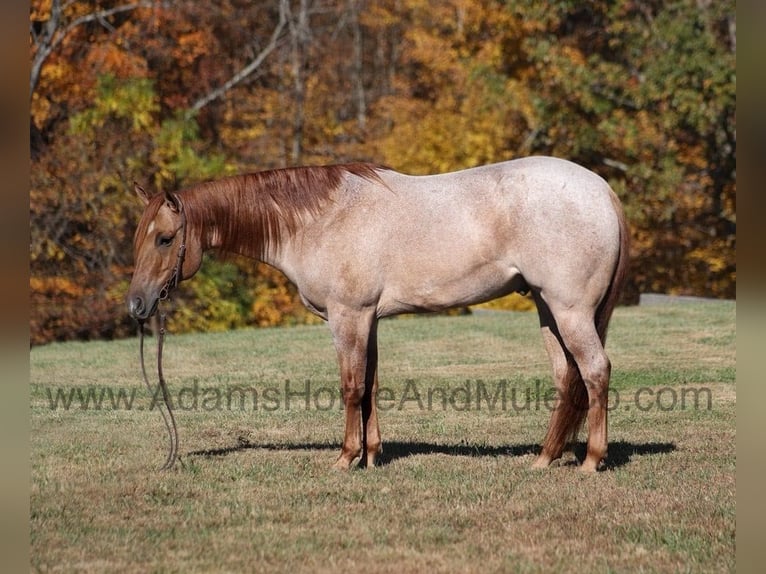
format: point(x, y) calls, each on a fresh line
point(478, 395)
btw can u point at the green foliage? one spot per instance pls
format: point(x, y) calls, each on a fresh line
point(176, 157)
point(130, 104)
point(213, 301)
point(645, 94)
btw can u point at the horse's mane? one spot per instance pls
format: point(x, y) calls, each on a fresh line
point(251, 212)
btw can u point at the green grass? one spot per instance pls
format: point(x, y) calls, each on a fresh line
point(455, 492)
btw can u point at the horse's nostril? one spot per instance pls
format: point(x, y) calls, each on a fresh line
point(136, 306)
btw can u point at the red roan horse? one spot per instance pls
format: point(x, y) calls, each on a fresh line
point(362, 242)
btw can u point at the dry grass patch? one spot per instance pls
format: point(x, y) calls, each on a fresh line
point(455, 492)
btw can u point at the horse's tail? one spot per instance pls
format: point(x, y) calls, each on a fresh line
point(574, 404)
point(613, 292)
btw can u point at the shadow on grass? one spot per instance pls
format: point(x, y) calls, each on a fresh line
point(620, 452)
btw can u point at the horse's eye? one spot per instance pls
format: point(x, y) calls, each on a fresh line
point(163, 240)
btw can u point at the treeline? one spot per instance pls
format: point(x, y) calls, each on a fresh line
point(170, 92)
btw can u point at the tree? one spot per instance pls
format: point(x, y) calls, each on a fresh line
point(645, 94)
point(171, 92)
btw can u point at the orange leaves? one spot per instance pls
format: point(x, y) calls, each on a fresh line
point(191, 45)
point(56, 286)
point(40, 10)
point(113, 59)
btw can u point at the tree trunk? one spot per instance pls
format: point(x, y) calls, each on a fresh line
point(299, 42)
point(358, 66)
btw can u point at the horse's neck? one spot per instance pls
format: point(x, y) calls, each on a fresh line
point(245, 228)
point(256, 215)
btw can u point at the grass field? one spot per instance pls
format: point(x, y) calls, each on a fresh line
point(463, 410)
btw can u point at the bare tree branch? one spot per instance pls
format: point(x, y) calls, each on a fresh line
point(273, 42)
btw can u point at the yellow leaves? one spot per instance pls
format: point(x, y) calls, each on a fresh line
point(40, 10)
point(481, 120)
point(512, 302)
point(435, 52)
point(270, 305)
point(57, 71)
point(574, 55)
point(244, 119)
point(379, 15)
point(714, 261)
point(275, 301)
point(56, 79)
point(459, 107)
point(174, 155)
point(40, 109)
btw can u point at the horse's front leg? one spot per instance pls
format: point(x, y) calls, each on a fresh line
point(353, 331)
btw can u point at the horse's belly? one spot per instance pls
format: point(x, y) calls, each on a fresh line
point(423, 291)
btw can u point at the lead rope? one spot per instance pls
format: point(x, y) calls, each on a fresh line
point(167, 412)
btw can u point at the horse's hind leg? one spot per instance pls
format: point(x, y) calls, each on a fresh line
point(579, 335)
point(371, 441)
point(571, 396)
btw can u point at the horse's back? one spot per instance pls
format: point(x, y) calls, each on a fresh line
point(538, 221)
point(431, 242)
point(539, 198)
point(541, 179)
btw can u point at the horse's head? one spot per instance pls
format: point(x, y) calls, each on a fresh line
point(164, 252)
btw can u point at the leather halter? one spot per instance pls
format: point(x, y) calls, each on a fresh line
point(175, 277)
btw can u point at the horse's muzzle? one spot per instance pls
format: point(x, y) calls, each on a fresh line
point(141, 309)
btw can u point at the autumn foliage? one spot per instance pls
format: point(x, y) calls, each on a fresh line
point(172, 92)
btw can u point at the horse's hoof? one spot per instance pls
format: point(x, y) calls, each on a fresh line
point(342, 464)
point(373, 459)
point(541, 462)
point(590, 466)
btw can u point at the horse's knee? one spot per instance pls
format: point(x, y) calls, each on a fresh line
point(352, 393)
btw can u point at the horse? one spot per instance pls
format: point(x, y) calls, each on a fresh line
point(362, 242)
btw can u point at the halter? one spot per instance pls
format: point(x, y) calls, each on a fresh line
point(175, 277)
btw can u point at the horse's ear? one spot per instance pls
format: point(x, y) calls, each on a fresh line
point(172, 202)
point(141, 193)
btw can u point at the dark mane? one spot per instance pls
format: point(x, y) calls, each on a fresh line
point(251, 212)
